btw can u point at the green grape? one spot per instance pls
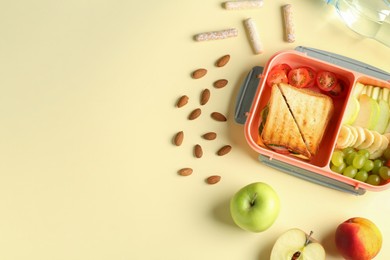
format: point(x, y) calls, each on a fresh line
point(358, 161)
point(338, 169)
point(337, 158)
point(348, 150)
point(350, 171)
point(368, 165)
point(373, 179)
point(384, 172)
point(361, 175)
point(386, 153)
point(364, 152)
point(349, 158)
point(377, 164)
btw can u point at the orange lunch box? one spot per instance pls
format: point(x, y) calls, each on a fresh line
point(254, 96)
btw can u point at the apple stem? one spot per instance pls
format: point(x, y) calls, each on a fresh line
point(253, 199)
point(297, 254)
point(308, 238)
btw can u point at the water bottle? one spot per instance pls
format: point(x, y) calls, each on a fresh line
point(370, 18)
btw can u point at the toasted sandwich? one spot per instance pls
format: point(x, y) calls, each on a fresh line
point(280, 130)
point(296, 120)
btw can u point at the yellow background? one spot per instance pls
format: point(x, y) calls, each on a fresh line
point(87, 109)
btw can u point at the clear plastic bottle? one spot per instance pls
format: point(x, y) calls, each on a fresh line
point(370, 18)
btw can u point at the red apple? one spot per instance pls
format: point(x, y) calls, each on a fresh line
point(358, 239)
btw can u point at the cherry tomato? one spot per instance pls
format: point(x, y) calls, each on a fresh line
point(312, 75)
point(276, 76)
point(284, 66)
point(387, 163)
point(326, 80)
point(299, 77)
point(339, 90)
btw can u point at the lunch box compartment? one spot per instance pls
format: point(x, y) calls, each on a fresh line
point(295, 60)
point(318, 164)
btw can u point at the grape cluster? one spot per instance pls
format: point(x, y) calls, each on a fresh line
point(356, 164)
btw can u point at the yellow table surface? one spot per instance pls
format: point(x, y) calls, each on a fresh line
point(87, 107)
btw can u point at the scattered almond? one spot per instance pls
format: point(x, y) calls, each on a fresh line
point(185, 171)
point(213, 179)
point(218, 116)
point(220, 83)
point(199, 73)
point(222, 61)
point(224, 150)
point(178, 140)
point(198, 151)
point(205, 96)
point(210, 136)
point(183, 100)
point(195, 114)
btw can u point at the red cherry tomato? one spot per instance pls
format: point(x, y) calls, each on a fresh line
point(284, 66)
point(326, 80)
point(312, 75)
point(339, 90)
point(276, 76)
point(387, 163)
point(299, 77)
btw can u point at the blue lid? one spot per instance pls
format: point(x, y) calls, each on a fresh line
point(345, 62)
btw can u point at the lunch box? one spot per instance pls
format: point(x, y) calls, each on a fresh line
point(254, 96)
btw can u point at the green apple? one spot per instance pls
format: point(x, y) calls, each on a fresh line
point(369, 90)
point(387, 130)
point(384, 114)
point(384, 94)
point(369, 112)
point(255, 207)
point(351, 111)
point(358, 89)
point(375, 93)
point(295, 244)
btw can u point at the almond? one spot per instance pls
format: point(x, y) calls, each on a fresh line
point(178, 140)
point(195, 114)
point(218, 116)
point(185, 171)
point(183, 100)
point(199, 73)
point(213, 179)
point(224, 150)
point(198, 152)
point(205, 96)
point(220, 83)
point(223, 60)
point(210, 136)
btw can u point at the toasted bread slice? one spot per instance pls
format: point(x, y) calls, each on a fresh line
point(311, 111)
point(280, 128)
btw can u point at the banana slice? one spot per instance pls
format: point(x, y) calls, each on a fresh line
point(351, 140)
point(375, 155)
point(361, 136)
point(343, 138)
point(385, 143)
point(368, 141)
point(378, 153)
point(387, 136)
point(354, 136)
point(377, 142)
